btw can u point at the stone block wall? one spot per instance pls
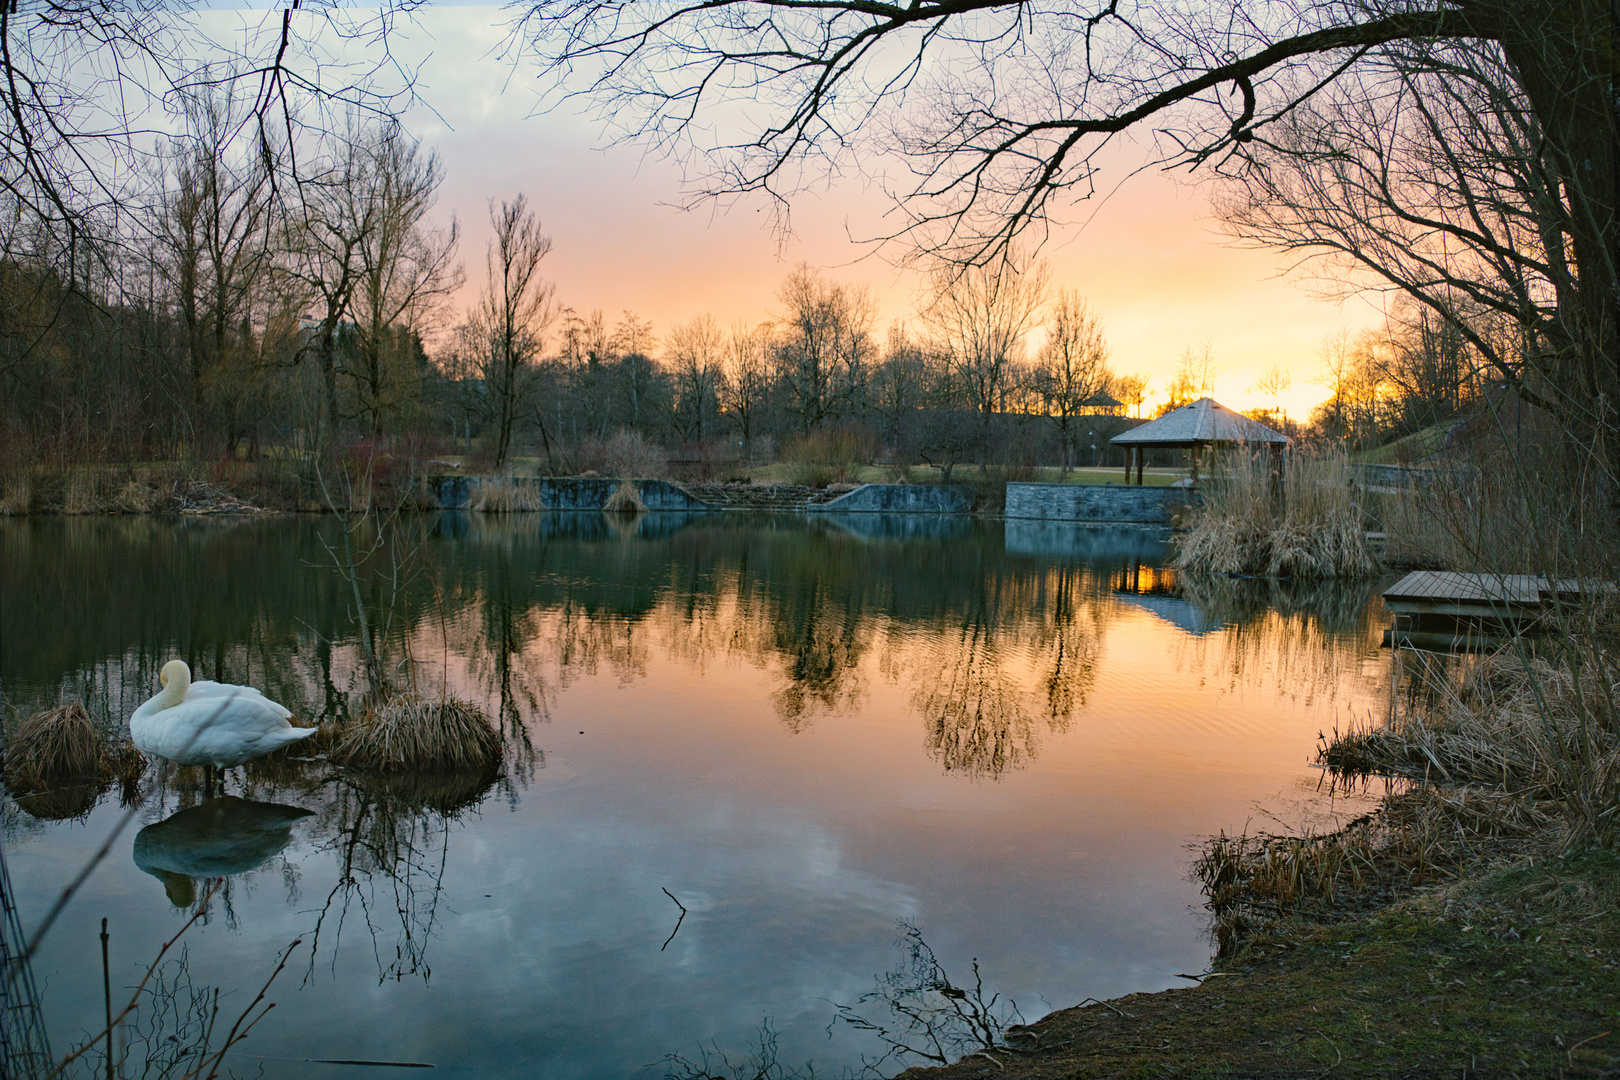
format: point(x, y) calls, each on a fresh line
point(1100, 503)
point(568, 493)
point(901, 499)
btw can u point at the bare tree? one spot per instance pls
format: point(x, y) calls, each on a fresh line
point(695, 350)
point(1274, 382)
point(84, 86)
point(215, 233)
point(406, 271)
point(901, 383)
point(1352, 369)
point(1072, 367)
point(745, 391)
point(515, 309)
point(1194, 377)
point(1132, 391)
point(1002, 107)
point(981, 315)
point(824, 346)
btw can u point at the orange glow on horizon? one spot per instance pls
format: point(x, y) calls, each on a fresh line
point(1149, 258)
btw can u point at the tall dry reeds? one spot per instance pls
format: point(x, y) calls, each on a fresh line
point(1544, 726)
point(1302, 520)
point(1256, 882)
point(626, 499)
point(505, 495)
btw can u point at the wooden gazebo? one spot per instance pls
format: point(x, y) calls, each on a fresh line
point(1193, 427)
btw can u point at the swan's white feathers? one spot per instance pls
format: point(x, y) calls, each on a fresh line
point(210, 723)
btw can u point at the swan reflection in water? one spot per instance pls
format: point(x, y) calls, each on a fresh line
point(216, 838)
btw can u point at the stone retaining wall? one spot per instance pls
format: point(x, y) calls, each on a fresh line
point(566, 493)
point(901, 499)
point(1100, 503)
point(592, 493)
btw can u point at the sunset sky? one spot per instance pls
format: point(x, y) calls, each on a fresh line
point(1151, 260)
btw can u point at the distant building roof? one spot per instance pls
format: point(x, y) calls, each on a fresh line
point(1204, 421)
point(1102, 399)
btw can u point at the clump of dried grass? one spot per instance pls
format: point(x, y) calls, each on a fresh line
point(57, 764)
point(1303, 521)
point(53, 745)
point(409, 733)
point(135, 497)
point(504, 495)
point(626, 499)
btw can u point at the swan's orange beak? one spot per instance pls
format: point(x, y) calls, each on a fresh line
point(163, 678)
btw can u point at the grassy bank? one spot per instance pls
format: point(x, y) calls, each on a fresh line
point(1513, 971)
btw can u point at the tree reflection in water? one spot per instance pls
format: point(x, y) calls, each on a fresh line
point(390, 839)
point(995, 639)
point(1023, 654)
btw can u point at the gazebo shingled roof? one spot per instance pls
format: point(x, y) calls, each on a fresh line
point(1202, 422)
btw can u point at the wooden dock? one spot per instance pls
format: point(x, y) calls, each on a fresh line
point(1435, 609)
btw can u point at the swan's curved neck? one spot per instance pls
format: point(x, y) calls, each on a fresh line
point(176, 681)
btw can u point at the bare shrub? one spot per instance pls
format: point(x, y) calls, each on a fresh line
point(1513, 497)
point(829, 455)
point(929, 1017)
point(627, 454)
point(1304, 520)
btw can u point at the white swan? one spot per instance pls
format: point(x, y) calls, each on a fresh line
point(208, 723)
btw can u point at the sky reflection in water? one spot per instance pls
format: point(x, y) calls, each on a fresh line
point(805, 731)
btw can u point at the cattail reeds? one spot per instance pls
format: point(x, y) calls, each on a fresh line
point(1302, 521)
point(410, 734)
point(626, 499)
point(504, 495)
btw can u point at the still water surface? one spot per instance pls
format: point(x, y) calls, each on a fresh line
point(808, 732)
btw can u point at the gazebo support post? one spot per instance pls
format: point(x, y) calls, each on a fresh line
point(1129, 450)
point(1195, 464)
point(1141, 459)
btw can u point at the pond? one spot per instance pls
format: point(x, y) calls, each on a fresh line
point(745, 754)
